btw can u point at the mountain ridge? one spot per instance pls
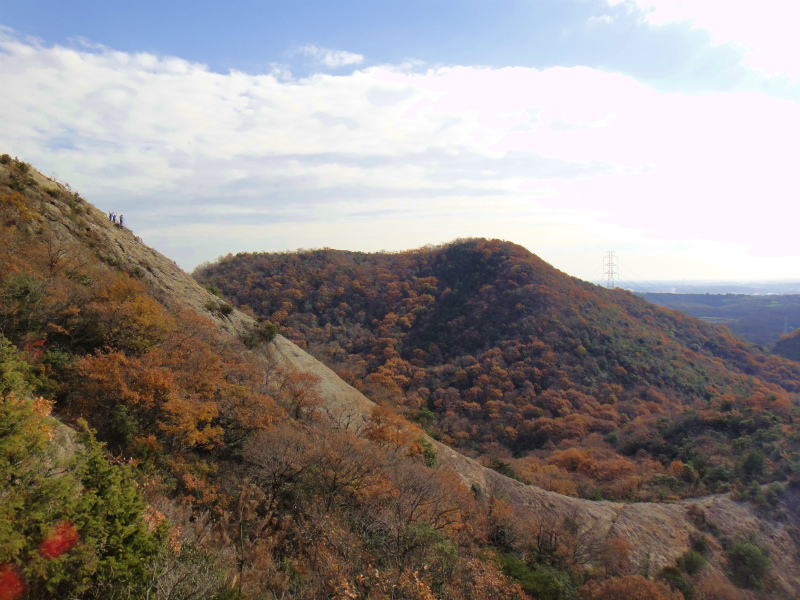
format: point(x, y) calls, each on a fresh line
point(657, 533)
point(504, 356)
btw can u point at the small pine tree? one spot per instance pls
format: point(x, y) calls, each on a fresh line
point(70, 526)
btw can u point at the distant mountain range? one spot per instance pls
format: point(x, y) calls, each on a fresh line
point(783, 286)
point(756, 318)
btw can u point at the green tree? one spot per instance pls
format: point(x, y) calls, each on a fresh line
point(71, 524)
point(749, 565)
point(12, 370)
point(754, 464)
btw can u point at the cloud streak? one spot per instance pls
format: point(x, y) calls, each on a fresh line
point(332, 59)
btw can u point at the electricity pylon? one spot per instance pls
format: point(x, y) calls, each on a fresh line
point(610, 269)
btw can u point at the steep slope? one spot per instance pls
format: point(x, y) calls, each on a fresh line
point(75, 224)
point(74, 230)
point(503, 356)
point(325, 538)
point(246, 446)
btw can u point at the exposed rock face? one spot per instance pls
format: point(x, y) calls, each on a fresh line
point(658, 532)
point(119, 246)
point(340, 400)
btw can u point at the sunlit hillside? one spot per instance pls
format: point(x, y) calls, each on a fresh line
point(573, 387)
point(155, 442)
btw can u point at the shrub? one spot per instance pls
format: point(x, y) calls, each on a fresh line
point(749, 565)
point(503, 468)
point(63, 544)
point(773, 493)
point(13, 369)
point(675, 579)
point(700, 544)
point(222, 309)
point(544, 584)
point(262, 333)
point(691, 562)
point(429, 456)
point(753, 465)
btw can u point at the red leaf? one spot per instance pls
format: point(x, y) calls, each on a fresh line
point(61, 539)
point(11, 586)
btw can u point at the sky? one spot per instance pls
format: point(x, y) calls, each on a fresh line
point(663, 130)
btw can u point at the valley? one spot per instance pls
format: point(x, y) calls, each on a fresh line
point(460, 422)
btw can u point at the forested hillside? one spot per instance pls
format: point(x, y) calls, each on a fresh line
point(219, 475)
point(788, 346)
point(157, 443)
point(550, 379)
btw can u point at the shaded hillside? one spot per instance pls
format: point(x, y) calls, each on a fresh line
point(758, 319)
point(574, 387)
point(788, 346)
point(240, 467)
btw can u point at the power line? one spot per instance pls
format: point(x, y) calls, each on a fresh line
point(638, 284)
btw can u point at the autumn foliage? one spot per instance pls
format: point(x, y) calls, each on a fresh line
point(63, 537)
point(11, 585)
point(221, 473)
point(253, 489)
point(575, 388)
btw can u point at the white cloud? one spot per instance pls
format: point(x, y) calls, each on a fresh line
point(601, 20)
point(332, 59)
point(567, 161)
point(765, 30)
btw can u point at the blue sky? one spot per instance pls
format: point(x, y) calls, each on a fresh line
point(661, 129)
point(253, 36)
